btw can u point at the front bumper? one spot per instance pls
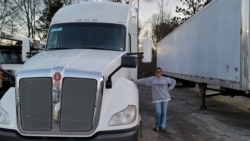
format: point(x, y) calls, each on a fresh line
point(121, 135)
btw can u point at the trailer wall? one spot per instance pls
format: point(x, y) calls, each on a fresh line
point(207, 47)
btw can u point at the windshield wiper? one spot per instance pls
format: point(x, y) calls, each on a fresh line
point(96, 48)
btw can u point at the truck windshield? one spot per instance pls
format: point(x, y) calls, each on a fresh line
point(86, 36)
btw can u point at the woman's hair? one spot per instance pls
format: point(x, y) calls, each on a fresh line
point(158, 68)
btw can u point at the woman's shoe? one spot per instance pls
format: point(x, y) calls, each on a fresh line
point(157, 129)
point(162, 129)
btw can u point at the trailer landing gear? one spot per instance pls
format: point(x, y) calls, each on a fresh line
point(202, 88)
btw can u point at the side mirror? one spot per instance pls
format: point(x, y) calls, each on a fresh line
point(129, 61)
point(147, 51)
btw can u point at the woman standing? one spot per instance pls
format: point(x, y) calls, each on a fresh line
point(160, 87)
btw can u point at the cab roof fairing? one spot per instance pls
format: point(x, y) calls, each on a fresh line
point(98, 12)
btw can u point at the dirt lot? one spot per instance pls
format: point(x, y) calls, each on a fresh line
point(226, 119)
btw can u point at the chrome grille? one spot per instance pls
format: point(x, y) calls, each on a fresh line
point(70, 107)
point(78, 104)
point(36, 104)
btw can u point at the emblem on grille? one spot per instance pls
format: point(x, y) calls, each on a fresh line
point(57, 76)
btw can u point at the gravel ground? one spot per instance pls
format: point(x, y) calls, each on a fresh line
point(226, 119)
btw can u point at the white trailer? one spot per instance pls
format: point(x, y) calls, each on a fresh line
point(80, 86)
point(212, 48)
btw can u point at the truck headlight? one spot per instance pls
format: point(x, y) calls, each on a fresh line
point(4, 117)
point(126, 116)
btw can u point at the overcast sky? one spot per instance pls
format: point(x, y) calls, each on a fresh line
point(148, 7)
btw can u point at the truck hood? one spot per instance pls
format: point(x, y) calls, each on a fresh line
point(78, 59)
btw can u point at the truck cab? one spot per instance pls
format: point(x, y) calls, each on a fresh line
point(79, 87)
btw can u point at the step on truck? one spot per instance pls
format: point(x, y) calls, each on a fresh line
point(14, 51)
point(79, 87)
point(211, 48)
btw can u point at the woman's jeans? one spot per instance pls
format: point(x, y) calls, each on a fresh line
point(161, 114)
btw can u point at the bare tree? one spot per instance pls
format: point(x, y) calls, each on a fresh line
point(162, 7)
point(50, 8)
point(161, 22)
point(190, 8)
point(68, 2)
point(28, 9)
point(7, 14)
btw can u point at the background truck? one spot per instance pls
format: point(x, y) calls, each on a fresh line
point(211, 48)
point(79, 87)
point(14, 51)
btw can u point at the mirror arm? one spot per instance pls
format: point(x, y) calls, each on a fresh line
point(139, 54)
point(109, 81)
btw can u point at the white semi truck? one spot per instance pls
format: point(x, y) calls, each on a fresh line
point(211, 48)
point(79, 88)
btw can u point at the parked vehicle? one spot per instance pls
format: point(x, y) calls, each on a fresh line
point(14, 51)
point(79, 87)
point(211, 48)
